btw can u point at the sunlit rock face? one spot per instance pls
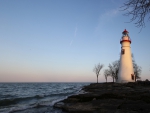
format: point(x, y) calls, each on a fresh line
point(126, 72)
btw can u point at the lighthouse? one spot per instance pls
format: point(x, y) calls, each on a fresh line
point(125, 73)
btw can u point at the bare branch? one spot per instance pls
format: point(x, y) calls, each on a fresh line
point(138, 9)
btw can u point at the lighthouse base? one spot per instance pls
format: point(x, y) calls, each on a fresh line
point(124, 81)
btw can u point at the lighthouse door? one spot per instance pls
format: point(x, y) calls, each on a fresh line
point(132, 76)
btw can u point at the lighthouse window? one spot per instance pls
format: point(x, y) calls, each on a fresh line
point(132, 76)
point(122, 51)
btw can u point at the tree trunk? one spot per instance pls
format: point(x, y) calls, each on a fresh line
point(135, 78)
point(106, 80)
point(113, 79)
point(97, 79)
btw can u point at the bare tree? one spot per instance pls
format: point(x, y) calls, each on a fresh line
point(97, 69)
point(113, 70)
point(138, 9)
point(137, 69)
point(106, 73)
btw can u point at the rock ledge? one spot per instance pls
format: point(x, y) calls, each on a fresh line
point(109, 98)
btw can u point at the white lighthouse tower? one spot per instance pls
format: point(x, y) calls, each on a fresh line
point(126, 73)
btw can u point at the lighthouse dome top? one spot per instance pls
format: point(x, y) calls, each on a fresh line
point(125, 32)
point(125, 37)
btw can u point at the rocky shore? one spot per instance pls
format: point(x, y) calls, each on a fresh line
point(109, 98)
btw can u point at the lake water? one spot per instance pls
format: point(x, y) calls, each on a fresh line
point(35, 97)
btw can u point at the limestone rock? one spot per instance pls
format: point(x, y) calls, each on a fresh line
point(109, 98)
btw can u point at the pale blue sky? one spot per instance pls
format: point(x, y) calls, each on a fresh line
point(62, 40)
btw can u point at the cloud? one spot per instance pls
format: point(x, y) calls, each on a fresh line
point(75, 33)
point(106, 17)
point(71, 42)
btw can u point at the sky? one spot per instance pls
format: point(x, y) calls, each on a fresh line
point(62, 40)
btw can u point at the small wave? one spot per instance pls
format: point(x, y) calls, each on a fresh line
point(39, 96)
point(20, 108)
point(68, 88)
point(58, 100)
point(61, 94)
point(13, 101)
point(6, 102)
point(8, 95)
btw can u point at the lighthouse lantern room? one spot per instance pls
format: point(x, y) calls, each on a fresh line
point(126, 72)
